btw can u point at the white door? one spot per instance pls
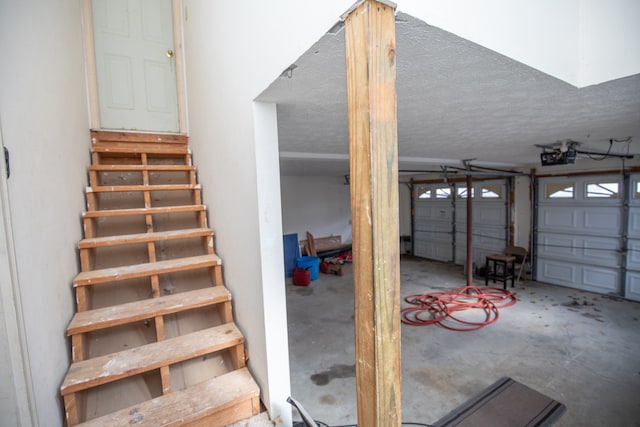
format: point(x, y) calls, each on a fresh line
point(578, 236)
point(433, 222)
point(632, 279)
point(490, 222)
point(135, 65)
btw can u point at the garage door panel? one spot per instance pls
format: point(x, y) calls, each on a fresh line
point(434, 210)
point(433, 246)
point(600, 279)
point(484, 215)
point(594, 220)
point(435, 227)
point(602, 219)
point(559, 218)
point(436, 230)
point(490, 237)
point(601, 251)
point(554, 272)
point(488, 215)
point(633, 255)
point(633, 286)
point(634, 222)
point(561, 245)
point(588, 278)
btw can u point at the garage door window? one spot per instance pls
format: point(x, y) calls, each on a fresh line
point(606, 190)
point(492, 191)
point(636, 191)
point(425, 194)
point(462, 192)
point(560, 190)
point(443, 193)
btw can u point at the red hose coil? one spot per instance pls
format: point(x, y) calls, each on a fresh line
point(439, 307)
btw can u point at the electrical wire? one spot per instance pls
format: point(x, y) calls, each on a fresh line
point(604, 156)
point(322, 424)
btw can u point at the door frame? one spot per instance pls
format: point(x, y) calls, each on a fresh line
point(91, 70)
point(11, 309)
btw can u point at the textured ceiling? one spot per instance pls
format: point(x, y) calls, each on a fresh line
point(456, 100)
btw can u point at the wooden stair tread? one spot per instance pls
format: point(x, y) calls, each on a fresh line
point(93, 277)
point(161, 187)
point(136, 148)
point(144, 211)
point(92, 320)
point(107, 137)
point(140, 147)
point(144, 237)
point(104, 369)
point(135, 168)
point(187, 405)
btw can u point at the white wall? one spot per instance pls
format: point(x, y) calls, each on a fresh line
point(318, 204)
point(233, 51)
point(574, 40)
point(609, 34)
point(44, 124)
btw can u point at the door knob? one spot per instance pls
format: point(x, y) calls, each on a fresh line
point(169, 53)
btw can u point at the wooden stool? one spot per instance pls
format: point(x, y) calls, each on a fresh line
point(499, 268)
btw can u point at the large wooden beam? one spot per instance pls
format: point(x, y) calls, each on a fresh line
point(371, 93)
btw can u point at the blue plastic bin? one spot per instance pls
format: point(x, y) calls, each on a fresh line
point(311, 263)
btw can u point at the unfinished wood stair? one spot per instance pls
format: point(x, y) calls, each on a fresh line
point(153, 339)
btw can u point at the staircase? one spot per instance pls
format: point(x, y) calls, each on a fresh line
point(153, 339)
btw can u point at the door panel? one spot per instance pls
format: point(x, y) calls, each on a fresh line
point(135, 66)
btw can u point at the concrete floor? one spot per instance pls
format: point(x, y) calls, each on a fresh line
point(580, 348)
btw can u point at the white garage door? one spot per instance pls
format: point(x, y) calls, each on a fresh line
point(578, 234)
point(440, 218)
point(490, 221)
point(433, 221)
point(632, 279)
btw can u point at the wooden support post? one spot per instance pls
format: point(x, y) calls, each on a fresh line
point(371, 100)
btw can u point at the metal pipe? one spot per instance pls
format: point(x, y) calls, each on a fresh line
point(469, 231)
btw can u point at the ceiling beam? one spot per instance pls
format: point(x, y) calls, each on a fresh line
point(373, 149)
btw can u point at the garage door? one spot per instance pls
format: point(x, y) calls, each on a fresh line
point(440, 215)
point(490, 221)
point(632, 279)
point(578, 232)
point(433, 221)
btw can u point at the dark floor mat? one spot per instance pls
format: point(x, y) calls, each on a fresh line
point(506, 403)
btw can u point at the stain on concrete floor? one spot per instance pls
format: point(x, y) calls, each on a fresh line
point(336, 371)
